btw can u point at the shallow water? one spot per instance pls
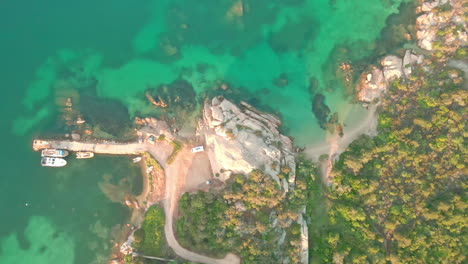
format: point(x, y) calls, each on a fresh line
point(117, 49)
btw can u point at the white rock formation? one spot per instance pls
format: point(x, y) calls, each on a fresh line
point(391, 67)
point(428, 6)
point(241, 139)
point(374, 82)
point(371, 85)
point(409, 60)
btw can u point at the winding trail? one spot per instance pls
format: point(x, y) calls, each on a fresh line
point(176, 174)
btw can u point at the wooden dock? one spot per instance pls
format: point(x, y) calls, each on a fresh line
point(102, 147)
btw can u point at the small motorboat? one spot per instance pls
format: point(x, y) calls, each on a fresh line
point(137, 159)
point(56, 153)
point(150, 169)
point(84, 154)
point(53, 162)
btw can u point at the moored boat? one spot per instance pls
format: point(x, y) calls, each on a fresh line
point(84, 154)
point(53, 162)
point(149, 169)
point(56, 153)
point(137, 159)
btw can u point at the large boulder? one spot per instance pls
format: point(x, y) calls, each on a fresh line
point(371, 85)
point(240, 139)
point(409, 60)
point(373, 82)
point(392, 67)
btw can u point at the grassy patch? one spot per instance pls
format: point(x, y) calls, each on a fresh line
point(150, 238)
point(177, 148)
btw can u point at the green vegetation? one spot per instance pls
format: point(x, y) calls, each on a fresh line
point(240, 220)
point(400, 197)
point(150, 161)
point(150, 239)
point(230, 134)
point(177, 148)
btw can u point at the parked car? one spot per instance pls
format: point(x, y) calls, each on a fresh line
point(198, 149)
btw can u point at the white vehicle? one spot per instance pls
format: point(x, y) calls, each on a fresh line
point(53, 162)
point(198, 149)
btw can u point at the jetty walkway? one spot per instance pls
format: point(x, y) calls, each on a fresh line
point(102, 147)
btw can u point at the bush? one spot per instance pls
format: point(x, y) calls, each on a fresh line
point(177, 147)
point(151, 235)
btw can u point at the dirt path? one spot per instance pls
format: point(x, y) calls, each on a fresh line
point(336, 145)
point(176, 174)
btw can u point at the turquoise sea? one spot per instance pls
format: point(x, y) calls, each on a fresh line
point(275, 54)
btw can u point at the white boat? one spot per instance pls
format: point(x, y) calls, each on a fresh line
point(53, 162)
point(150, 169)
point(137, 159)
point(84, 154)
point(56, 153)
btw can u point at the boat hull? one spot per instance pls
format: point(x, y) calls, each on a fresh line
point(56, 153)
point(53, 162)
point(84, 155)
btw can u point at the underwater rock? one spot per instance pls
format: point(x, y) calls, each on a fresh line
point(75, 136)
point(320, 110)
point(111, 116)
point(159, 103)
point(236, 10)
point(294, 35)
point(281, 81)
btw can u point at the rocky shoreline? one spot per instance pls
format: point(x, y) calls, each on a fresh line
point(240, 138)
point(440, 23)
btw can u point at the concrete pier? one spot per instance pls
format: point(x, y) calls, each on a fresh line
point(103, 147)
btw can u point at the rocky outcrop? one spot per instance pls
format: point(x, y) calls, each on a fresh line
point(441, 27)
point(155, 127)
point(374, 82)
point(240, 139)
point(392, 67)
point(442, 21)
point(371, 85)
point(409, 60)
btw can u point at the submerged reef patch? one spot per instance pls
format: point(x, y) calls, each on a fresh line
point(46, 245)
